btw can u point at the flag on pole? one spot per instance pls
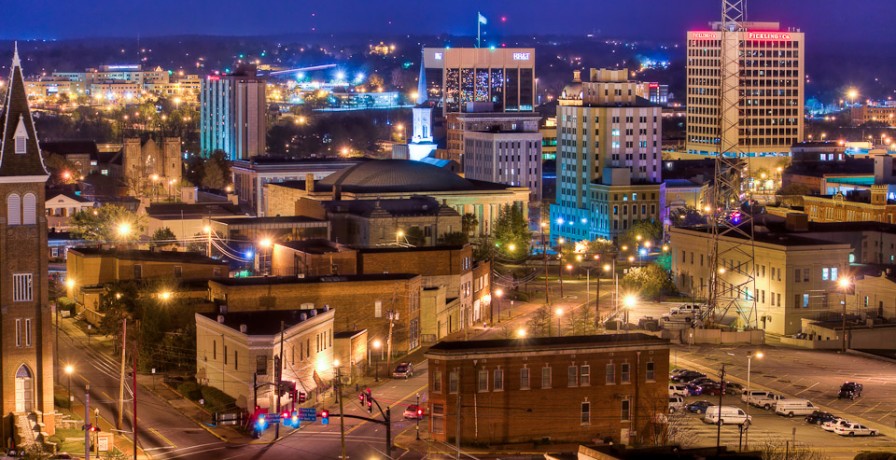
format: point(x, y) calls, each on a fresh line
point(482, 19)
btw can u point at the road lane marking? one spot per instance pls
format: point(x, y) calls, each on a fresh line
point(804, 389)
point(162, 437)
point(885, 416)
point(870, 409)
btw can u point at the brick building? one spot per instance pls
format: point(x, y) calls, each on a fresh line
point(575, 388)
point(363, 301)
point(26, 347)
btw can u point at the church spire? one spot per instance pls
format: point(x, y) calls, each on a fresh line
point(19, 148)
point(422, 95)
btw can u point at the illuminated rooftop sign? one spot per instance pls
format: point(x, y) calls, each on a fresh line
point(767, 36)
point(123, 67)
point(521, 56)
point(711, 35)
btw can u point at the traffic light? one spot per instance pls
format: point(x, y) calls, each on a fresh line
point(362, 397)
point(324, 417)
point(370, 406)
point(302, 396)
point(419, 412)
point(94, 428)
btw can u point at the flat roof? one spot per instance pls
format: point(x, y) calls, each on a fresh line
point(263, 280)
point(578, 341)
point(147, 255)
point(265, 322)
point(248, 221)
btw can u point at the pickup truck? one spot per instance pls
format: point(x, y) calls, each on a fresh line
point(763, 399)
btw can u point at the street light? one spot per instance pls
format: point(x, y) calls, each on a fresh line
point(376, 352)
point(559, 313)
point(628, 303)
point(498, 294)
point(750, 356)
point(521, 333)
point(843, 283)
point(264, 243)
point(69, 369)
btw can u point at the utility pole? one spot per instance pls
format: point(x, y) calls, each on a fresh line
point(544, 259)
point(341, 411)
point(124, 333)
point(87, 422)
point(457, 430)
point(393, 316)
point(136, 350)
point(279, 377)
point(719, 421)
point(418, 416)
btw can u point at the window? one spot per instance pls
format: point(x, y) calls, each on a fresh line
point(20, 144)
point(796, 275)
point(261, 365)
point(626, 410)
point(14, 209)
point(138, 272)
point(586, 413)
point(236, 359)
point(18, 332)
point(452, 382)
point(585, 375)
point(22, 289)
point(805, 303)
point(825, 274)
point(29, 209)
point(572, 376)
point(437, 381)
point(611, 374)
point(650, 375)
point(499, 380)
point(225, 354)
point(483, 380)
point(625, 373)
point(378, 309)
point(214, 349)
point(524, 378)
point(546, 377)
point(438, 418)
point(178, 271)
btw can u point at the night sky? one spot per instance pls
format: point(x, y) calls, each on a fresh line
point(823, 20)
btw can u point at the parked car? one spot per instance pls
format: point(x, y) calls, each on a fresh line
point(818, 417)
point(854, 429)
point(733, 388)
point(830, 424)
point(698, 407)
point(850, 390)
point(712, 389)
point(403, 370)
point(686, 309)
point(413, 412)
point(687, 376)
point(676, 403)
point(680, 390)
point(763, 399)
point(726, 415)
point(694, 389)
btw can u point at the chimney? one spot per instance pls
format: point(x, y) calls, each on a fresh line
point(243, 328)
point(577, 76)
point(797, 222)
point(221, 319)
point(309, 182)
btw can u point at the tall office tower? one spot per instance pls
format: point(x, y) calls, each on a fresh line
point(478, 80)
point(232, 114)
point(771, 73)
point(26, 351)
point(608, 157)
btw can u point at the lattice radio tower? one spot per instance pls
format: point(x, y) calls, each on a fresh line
point(732, 282)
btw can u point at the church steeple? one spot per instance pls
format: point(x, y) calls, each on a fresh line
point(422, 94)
point(19, 149)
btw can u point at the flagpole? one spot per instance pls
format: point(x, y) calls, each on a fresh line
point(478, 29)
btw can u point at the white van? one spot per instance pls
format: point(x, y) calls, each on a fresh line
point(730, 415)
point(686, 309)
point(676, 403)
point(791, 407)
point(677, 390)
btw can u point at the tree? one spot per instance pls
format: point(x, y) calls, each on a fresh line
point(61, 170)
point(794, 189)
point(216, 171)
point(511, 233)
point(454, 239)
point(163, 237)
point(539, 323)
point(415, 236)
point(648, 230)
point(108, 223)
point(651, 281)
point(469, 223)
point(687, 216)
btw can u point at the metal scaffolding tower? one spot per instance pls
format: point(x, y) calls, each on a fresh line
point(732, 282)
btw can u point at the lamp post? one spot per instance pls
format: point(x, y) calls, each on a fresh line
point(750, 356)
point(69, 369)
point(265, 243)
point(628, 303)
point(377, 345)
point(544, 258)
point(497, 299)
point(96, 437)
point(843, 283)
point(559, 313)
point(341, 410)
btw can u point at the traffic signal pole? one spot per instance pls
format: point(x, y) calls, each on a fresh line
point(86, 422)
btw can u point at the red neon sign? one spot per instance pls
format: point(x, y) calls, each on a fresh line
point(767, 36)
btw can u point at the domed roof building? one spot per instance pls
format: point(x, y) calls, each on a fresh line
point(396, 179)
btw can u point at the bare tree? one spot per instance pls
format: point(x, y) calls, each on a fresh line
point(787, 450)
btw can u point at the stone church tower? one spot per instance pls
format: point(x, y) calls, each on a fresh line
point(26, 334)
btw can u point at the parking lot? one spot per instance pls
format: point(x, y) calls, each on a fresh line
point(811, 375)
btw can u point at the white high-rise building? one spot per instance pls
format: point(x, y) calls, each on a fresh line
point(232, 114)
point(772, 74)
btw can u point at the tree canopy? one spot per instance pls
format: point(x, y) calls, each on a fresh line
point(511, 233)
point(650, 281)
point(108, 223)
point(648, 230)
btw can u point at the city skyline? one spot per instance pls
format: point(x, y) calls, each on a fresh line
point(830, 20)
